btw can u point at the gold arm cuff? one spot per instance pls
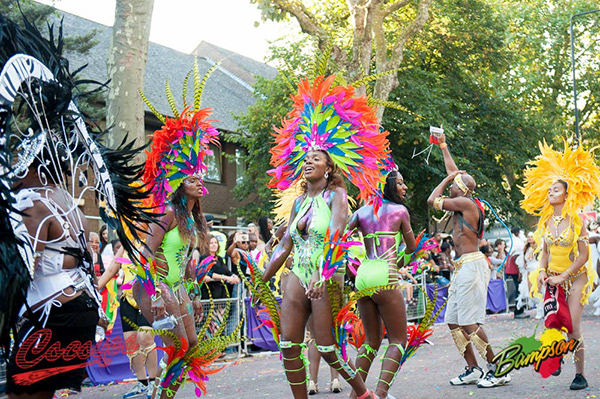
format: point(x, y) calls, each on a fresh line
point(438, 203)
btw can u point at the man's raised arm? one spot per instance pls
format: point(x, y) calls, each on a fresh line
point(448, 161)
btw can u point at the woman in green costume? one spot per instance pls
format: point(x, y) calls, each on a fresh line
point(323, 205)
point(383, 231)
point(182, 227)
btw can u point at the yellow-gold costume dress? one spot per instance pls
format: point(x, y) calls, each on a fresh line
point(560, 248)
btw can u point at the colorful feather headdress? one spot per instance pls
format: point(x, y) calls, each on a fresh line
point(331, 119)
point(575, 166)
point(180, 147)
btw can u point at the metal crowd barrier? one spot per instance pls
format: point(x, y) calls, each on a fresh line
point(417, 310)
point(232, 319)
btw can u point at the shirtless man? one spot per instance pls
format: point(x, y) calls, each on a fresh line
point(467, 296)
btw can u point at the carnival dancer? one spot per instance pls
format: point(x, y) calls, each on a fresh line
point(328, 128)
point(45, 148)
point(467, 295)
point(383, 232)
point(557, 186)
point(174, 175)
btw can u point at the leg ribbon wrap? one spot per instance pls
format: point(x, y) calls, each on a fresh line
point(578, 348)
point(479, 344)
point(146, 351)
point(131, 355)
point(394, 366)
point(343, 366)
point(289, 345)
point(460, 340)
point(369, 354)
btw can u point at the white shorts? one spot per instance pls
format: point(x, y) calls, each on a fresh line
point(467, 295)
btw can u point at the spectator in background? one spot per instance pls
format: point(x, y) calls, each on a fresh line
point(105, 246)
point(514, 267)
point(406, 284)
point(222, 238)
point(494, 262)
point(265, 228)
point(260, 244)
point(255, 252)
point(500, 249)
point(446, 265)
point(238, 243)
point(438, 238)
point(531, 264)
point(96, 258)
point(219, 273)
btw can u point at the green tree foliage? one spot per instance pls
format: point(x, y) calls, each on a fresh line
point(495, 74)
point(454, 78)
point(541, 76)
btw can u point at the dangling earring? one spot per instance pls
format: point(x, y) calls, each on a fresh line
point(326, 175)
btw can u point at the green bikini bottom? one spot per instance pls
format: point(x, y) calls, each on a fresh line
point(374, 272)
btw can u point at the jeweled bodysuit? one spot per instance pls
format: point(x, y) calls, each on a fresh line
point(316, 214)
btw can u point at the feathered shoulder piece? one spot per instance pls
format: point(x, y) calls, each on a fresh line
point(333, 119)
point(179, 148)
point(575, 166)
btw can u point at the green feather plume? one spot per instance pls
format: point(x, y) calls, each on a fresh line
point(160, 116)
point(171, 99)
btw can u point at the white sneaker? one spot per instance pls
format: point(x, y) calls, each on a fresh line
point(138, 389)
point(335, 386)
point(150, 389)
point(490, 381)
point(313, 388)
point(470, 376)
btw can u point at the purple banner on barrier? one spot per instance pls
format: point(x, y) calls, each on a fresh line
point(259, 336)
point(496, 298)
point(113, 365)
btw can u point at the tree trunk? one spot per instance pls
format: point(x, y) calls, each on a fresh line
point(126, 66)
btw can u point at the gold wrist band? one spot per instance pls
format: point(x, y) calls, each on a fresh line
point(438, 203)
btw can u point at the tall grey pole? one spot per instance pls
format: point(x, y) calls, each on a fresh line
point(573, 67)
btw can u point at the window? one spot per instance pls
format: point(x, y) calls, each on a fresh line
point(240, 165)
point(213, 165)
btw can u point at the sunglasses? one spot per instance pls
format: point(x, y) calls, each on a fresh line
point(244, 242)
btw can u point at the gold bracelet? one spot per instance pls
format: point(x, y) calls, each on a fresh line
point(438, 203)
point(443, 145)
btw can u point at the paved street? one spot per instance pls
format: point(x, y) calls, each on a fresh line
point(424, 376)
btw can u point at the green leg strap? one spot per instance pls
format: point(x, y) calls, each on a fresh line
point(302, 369)
point(339, 364)
point(368, 353)
point(391, 364)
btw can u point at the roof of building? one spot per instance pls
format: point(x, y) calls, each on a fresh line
point(243, 67)
point(228, 90)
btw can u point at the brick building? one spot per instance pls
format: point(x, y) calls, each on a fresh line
point(228, 91)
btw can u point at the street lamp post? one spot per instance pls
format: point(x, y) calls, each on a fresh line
point(573, 66)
